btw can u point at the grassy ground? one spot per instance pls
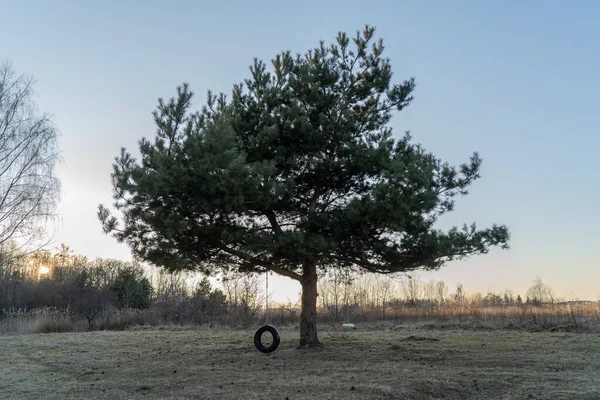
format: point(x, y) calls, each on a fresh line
point(391, 364)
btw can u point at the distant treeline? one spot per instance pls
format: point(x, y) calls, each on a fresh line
point(59, 291)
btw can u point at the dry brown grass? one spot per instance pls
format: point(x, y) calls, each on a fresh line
point(391, 364)
point(542, 317)
point(550, 317)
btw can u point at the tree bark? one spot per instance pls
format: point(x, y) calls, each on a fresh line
point(308, 314)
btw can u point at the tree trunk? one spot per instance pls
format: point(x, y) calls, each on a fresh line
point(308, 315)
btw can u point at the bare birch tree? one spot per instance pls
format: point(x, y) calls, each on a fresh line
point(29, 189)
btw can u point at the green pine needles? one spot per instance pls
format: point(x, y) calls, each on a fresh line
point(297, 171)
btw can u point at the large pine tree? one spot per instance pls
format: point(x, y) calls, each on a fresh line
point(298, 171)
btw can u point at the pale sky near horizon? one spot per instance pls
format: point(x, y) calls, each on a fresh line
point(516, 81)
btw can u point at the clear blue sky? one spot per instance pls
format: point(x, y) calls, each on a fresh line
point(515, 80)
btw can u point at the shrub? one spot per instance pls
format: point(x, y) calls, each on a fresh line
point(132, 289)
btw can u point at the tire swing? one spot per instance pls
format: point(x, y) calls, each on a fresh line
point(258, 339)
point(267, 328)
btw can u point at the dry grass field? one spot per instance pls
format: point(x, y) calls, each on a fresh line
point(395, 363)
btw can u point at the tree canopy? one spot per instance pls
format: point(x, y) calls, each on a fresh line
point(298, 170)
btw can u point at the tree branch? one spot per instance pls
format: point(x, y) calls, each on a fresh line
point(273, 221)
point(258, 261)
point(314, 198)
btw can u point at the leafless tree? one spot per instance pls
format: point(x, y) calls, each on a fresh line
point(441, 292)
point(170, 296)
point(335, 291)
point(459, 296)
point(540, 293)
point(28, 153)
point(383, 289)
point(245, 295)
point(429, 290)
point(411, 289)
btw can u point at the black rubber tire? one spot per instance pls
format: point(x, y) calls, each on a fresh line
point(258, 336)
